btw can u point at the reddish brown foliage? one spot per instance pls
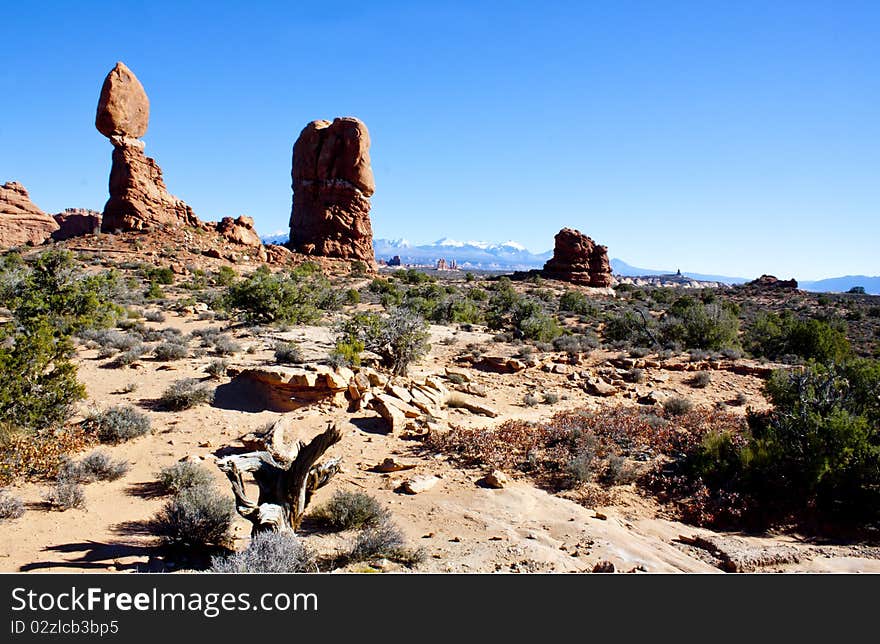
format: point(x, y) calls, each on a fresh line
point(28, 455)
point(575, 446)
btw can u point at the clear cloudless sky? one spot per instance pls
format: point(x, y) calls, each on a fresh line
point(728, 137)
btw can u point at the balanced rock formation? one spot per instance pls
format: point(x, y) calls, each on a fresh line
point(773, 283)
point(332, 184)
point(21, 222)
point(138, 196)
point(75, 222)
point(239, 231)
point(579, 260)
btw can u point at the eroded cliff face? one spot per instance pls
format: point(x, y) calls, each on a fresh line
point(21, 222)
point(332, 186)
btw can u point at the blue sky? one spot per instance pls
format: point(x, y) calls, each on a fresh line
point(734, 138)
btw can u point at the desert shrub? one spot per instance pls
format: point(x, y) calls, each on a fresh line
point(197, 517)
point(414, 276)
point(399, 339)
point(351, 297)
point(384, 540)
point(677, 406)
point(154, 291)
point(814, 454)
point(159, 275)
point(297, 297)
point(539, 327)
point(184, 394)
point(347, 510)
point(740, 399)
point(577, 302)
point(118, 424)
point(701, 380)
point(225, 276)
point(268, 552)
point(129, 356)
point(773, 336)
point(110, 340)
point(617, 472)
point(346, 353)
point(550, 398)
point(170, 351)
point(574, 344)
point(358, 268)
point(821, 442)
point(64, 495)
point(635, 375)
point(699, 325)
point(11, 507)
point(531, 400)
point(154, 316)
point(96, 466)
point(857, 290)
point(226, 346)
point(56, 290)
point(289, 353)
point(38, 383)
point(217, 368)
point(631, 327)
point(181, 476)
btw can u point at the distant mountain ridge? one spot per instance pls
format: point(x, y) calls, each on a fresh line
point(512, 256)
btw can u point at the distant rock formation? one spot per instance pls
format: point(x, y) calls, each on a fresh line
point(74, 222)
point(138, 196)
point(579, 260)
point(771, 282)
point(239, 231)
point(21, 222)
point(332, 184)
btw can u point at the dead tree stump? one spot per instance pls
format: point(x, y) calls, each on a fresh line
point(286, 475)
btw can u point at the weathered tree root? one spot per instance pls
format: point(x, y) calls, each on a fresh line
point(286, 479)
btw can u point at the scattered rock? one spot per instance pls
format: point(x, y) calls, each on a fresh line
point(473, 406)
point(496, 479)
point(604, 566)
point(419, 484)
point(239, 231)
point(599, 387)
point(390, 465)
point(738, 555)
point(501, 364)
point(463, 374)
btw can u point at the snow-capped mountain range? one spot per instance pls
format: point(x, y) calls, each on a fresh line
point(508, 255)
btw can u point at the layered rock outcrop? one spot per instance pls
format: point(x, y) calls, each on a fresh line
point(21, 222)
point(75, 222)
point(579, 260)
point(138, 196)
point(332, 186)
point(773, 283)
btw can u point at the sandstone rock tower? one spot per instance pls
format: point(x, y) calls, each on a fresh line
point(332, 184)
point(579, 260)
point(20, 220)
point(138, 196)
